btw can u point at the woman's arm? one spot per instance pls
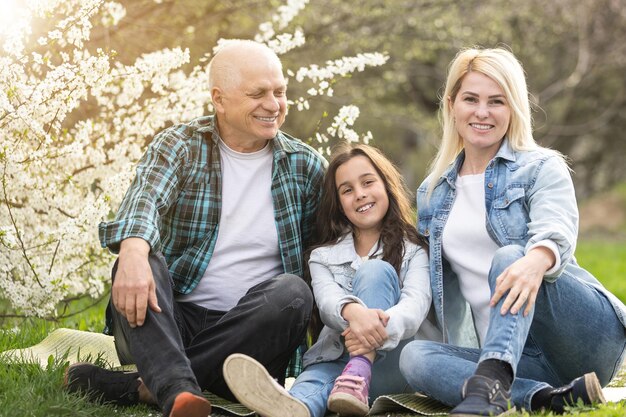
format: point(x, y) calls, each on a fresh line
point(553, 217)
point(553, 210)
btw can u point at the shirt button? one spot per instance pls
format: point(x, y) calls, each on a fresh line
point(427, 232)
point(490, 185)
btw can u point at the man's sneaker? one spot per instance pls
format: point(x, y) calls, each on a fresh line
point(349, 396)
point(255, 388)
point(483, 396)
point(586, 388)
point(103, 385)
point(187, 404)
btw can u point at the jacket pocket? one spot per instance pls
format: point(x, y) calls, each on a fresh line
point(511, 214)
point(342, 274)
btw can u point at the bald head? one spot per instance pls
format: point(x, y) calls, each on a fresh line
point(248, 93)
point(234, 57)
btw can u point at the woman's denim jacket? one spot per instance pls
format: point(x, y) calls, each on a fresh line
point(529, 197)
point(332, 271)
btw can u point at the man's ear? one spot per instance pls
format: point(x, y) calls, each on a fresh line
point(217, 98)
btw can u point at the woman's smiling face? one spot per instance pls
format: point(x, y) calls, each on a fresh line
point(481, 112)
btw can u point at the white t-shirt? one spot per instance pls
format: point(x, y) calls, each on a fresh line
point(469, 248)
point(246, 252)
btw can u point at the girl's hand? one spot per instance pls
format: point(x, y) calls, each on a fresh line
point(353, 345)
point(522, 279)
point(366, 326)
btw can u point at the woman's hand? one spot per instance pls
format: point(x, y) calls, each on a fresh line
point(522, 279)
point(366, 331)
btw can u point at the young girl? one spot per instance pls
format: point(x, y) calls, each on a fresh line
point(370, 279)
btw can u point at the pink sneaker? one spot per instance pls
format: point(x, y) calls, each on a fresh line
point(349, 396)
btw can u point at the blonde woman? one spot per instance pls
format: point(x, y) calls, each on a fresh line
point(501, 217)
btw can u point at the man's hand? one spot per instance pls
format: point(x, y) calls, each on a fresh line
point(133, 287)
point(523, 278)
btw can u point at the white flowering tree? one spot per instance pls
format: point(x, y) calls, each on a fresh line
point(62, 173)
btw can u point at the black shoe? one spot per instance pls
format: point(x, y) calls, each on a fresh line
point(483, 396)
point(103, 385)
point(586, 388)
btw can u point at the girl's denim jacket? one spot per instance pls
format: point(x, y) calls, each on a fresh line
point(529, 197)
point(332, 270)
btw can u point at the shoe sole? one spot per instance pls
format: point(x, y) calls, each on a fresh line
point(506, 413)
point(187, 404)
point(255, 388)
point(594, 389)
point(347, 405)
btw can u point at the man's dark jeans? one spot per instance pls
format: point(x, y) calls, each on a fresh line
point(183, 347)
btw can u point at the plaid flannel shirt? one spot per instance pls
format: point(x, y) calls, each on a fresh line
point(174, 202)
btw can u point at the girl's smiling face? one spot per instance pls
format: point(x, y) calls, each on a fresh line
point(362, 194)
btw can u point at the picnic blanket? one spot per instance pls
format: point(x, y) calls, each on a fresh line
point(76, 346)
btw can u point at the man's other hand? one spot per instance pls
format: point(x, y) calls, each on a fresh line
point(133, 287)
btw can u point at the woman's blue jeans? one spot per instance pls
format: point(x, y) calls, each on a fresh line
point(571, 330)
point(376, 284)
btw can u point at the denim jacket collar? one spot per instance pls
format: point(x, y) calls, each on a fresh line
point(344, 252)
point(504, 152)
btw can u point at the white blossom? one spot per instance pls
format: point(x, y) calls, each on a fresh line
point(59, 178)
point(112, 13)
point(342, 122)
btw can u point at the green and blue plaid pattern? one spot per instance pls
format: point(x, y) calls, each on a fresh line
point(174, 202)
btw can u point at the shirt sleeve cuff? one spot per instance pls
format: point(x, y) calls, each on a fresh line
point(112, 233)
point(347, 300)
point(547, 243)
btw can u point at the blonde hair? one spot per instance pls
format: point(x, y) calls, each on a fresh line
point(501, 66)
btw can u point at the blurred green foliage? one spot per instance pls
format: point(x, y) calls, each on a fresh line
point(572, 50)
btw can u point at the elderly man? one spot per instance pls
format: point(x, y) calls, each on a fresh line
point(210, 237)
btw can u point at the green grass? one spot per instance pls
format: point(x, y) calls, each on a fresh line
point(607, 261)
point(28, 390)
point(32, 391)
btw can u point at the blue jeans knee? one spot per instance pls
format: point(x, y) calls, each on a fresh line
point(502, 259)
point(376, 283)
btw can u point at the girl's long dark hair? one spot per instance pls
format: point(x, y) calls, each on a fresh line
point(398, 223)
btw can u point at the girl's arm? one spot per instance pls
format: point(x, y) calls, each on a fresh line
point(330, 295)
point(339, 309)
point(407, 316)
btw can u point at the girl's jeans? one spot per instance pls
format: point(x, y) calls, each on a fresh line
point(183, 347)
point(376, 284)
point(571, 330)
